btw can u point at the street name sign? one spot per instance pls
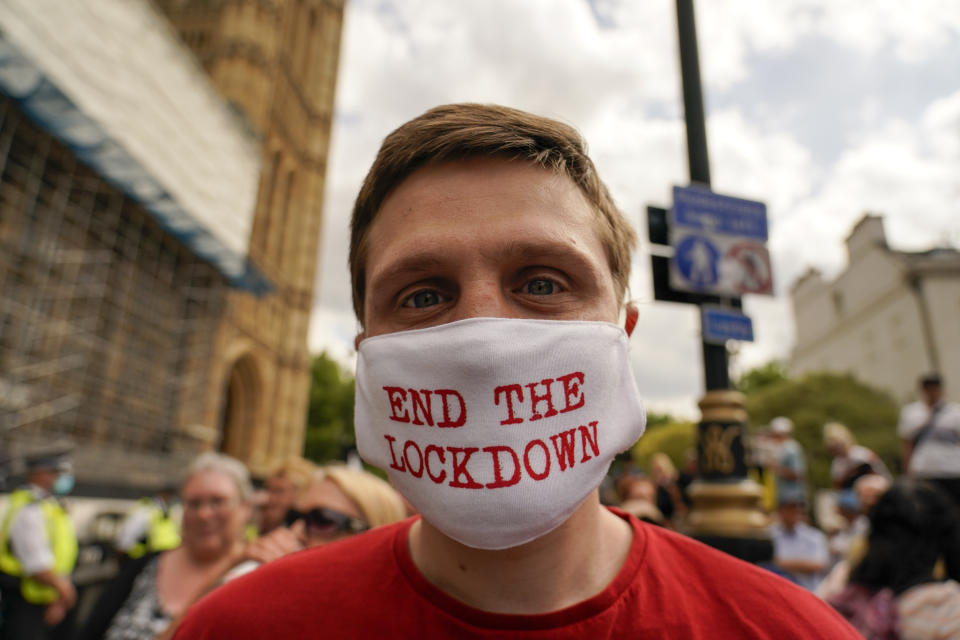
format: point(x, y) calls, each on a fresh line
point(720, 324)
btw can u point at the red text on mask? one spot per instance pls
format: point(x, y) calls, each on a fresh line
point(417, 407)
point(498, 465)
point(538, 403)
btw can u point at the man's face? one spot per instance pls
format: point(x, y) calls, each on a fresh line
point(931, 393)
point(44, 478)
point(281, 493)
point(790, 515)
point(485, 237)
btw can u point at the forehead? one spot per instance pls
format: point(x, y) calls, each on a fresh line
point(279, 482)
point(326, 494)
point(451, 201)
point(451, 182)
point(210, 482)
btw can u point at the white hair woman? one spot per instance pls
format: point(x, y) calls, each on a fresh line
point(156, 589)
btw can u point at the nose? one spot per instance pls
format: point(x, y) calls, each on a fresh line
point(483, 298)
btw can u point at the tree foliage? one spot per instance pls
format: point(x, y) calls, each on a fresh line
point(330, 411)
point(655, 419)
point(670, 436)
point(818, 398)
point(765, 375)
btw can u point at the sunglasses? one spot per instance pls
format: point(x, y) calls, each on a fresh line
point(323, 520)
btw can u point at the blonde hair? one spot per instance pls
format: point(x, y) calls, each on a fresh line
point(662, 461)
point(838, 433)
point(299, 471)
point(459, 131)
point(377, 500)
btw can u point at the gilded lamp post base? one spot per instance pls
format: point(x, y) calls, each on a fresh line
point(727, 511)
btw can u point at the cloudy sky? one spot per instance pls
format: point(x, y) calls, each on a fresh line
point(823, 109)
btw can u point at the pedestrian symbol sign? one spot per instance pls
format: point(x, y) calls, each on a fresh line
point(698, 260)
point(719, 244)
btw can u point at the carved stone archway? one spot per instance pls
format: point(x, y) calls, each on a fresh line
point(242, 396)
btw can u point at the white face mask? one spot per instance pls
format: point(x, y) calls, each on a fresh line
point(496, 430)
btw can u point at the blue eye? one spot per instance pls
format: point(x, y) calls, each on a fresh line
point(541, 287)
point(422, 299)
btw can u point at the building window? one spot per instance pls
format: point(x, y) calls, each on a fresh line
point(838, 302)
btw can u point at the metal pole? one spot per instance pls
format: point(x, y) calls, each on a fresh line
point(692, 94)
point(726, 511)
point(715, 367)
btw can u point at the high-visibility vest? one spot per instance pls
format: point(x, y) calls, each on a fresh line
point(163, 532)
point(60, 535)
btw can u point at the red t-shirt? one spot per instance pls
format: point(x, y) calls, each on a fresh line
point(368, 587)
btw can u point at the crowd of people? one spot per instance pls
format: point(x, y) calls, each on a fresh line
point(885, 553)
point(489, 267)
point(183, 542)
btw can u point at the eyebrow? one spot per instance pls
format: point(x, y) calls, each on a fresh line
point(408, 265)
point(427, 261)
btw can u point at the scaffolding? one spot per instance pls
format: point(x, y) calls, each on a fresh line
point(106, 321)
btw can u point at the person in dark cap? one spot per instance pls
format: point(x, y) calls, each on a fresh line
point(38, 550)
point(799, 549)
point(929, 431)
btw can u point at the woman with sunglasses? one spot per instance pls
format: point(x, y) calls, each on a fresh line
point(338, 502)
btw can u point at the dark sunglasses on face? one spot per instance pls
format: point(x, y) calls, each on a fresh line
point(323, 520)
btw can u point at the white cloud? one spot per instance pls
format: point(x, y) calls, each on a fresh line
point(332, 331)
point(907, 171)
point(617, 80)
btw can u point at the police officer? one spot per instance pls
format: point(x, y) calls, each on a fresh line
point(38, 550)
point(152, 525)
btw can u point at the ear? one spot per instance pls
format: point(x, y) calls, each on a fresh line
point(633, 313)
point(357, 340)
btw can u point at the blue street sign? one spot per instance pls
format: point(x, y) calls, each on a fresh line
point(699, 261)
point(704, 210)
point(720, 324)
point(719, 244)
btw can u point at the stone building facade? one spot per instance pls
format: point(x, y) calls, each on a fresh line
point(888, 318)
point(161, 182)
point(275, 62)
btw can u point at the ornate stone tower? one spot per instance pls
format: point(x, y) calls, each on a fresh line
point(276, 62)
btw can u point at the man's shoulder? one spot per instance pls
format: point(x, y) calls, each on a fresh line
point(810, 531)
point(859, 453)
point(728, 586)
point(951, 413)
point(912, 417)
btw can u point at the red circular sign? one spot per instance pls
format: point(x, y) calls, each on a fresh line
point(754, 261)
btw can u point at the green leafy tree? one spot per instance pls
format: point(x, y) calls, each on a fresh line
point(818, 398)
point(330, 411)
point(673, 437)
point(771, 373)
point(655, 419)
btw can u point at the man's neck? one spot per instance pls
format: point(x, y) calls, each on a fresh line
point(570, 564)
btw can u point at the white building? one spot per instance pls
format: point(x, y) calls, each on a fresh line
point(888, 318)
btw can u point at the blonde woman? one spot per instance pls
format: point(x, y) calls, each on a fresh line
point(285, 482)
point(664, 476)
point(851, 461)
point(338, 502)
